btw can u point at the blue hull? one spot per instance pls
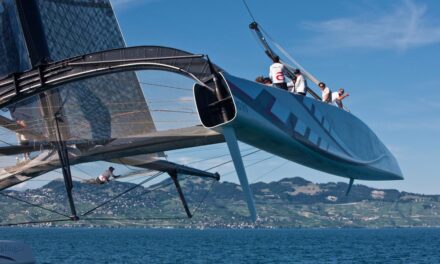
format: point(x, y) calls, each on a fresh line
point(306, 131)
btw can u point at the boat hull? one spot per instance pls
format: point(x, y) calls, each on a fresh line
point(304, 130)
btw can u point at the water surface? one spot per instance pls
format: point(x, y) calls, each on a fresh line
point(105, 245)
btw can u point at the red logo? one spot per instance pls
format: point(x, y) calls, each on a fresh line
point(279, 76)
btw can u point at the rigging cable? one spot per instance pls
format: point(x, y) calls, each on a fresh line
point(285, 53)
point(132, 218)
point(166, 86)
point(128, 166)
point(215, 157)
point(117, 196)
point(7, 143)
point(248, 9)
point(250, 165)
point(229, 161)
point(32, 204)
point(271, 170)
point(213, 182)
point(289, 57)
point(124, 192)
point(160, 185)
point(76, 177)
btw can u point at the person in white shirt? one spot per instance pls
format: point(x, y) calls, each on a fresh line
point(22, 139)
point(326, 93)
point(291, 86)
point(105, 176)
point(300, 83)
point(338, 96)
point(276, 74)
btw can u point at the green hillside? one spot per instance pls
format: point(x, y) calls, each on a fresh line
point(288, 203)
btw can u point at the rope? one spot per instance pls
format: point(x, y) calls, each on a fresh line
point(252, 164)
point(198, 149)
point(76, 177)
point(212, 184)
point(270, 171)
point(131, 219)
point(81, 170)
point(124, 192)
point(248, 9)
point(159, 186)
point(296, 63)
point(129, 103)
point(143, 193)
point(32, 204)
point(229, 161)
point(162, 185)
point(166, 86)
point(215, 157)
point(133, 172)
point(36, 124)
point(204, 197)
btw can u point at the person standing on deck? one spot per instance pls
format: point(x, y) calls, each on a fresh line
point(22, 139)
point(276, 74)
point(300, 83)
point(326, 93)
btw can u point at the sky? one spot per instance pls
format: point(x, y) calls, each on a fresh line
point(384, 53)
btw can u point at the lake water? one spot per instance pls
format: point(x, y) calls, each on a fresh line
point(104, 245)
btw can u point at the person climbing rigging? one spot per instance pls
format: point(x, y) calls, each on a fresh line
point(105, 176)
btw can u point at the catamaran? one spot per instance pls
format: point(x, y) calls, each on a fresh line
point(300, 129)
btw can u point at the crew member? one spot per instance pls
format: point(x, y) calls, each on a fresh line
point(338, 96)
point(105, 176)
point(326, 93)
point(276, 73)
point(22, 139)
point(300, 83)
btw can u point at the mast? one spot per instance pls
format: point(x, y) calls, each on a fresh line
point(289, 70)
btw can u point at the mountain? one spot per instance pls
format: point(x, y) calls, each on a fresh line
point(290, 202)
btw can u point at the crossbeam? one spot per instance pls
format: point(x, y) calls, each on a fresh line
point(19, 86)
